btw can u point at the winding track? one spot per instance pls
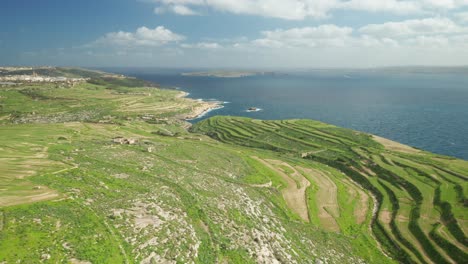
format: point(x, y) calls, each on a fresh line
point(293, 194)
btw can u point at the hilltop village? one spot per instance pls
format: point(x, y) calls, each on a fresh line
point(37, 78)
point(33, 77)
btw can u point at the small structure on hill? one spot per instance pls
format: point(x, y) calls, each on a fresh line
point(125, 141)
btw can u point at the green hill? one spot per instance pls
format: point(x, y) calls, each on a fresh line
point(106, 171)
point(420, 198)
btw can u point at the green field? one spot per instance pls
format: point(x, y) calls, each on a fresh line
point(228, 190)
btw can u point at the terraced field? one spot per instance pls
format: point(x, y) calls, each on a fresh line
point(107, 172)
point(418, 213)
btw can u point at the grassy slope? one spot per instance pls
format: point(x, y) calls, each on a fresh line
point(185, 197)
point(417, 191)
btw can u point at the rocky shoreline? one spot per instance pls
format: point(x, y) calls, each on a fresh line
point(203, 108)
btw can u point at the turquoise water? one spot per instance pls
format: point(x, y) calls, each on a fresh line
point(427, 111)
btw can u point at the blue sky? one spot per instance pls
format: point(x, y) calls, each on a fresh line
point(234, 33)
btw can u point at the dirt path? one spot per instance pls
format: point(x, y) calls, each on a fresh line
point(64, 170)
point(326, 198)
point(265, 185)
point(360, 212)
point(385, 216)
point(361, 199)
point(294, 193)
point(305, 154)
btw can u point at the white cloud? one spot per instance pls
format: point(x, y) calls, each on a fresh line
point(388, 42)
point(183, 10)
point(390, 6)
point(267, 43)
point(462, 17)
point(427, 26)
point(301, 9)
point(428, 41)
point(445, 4)
point(284, 9)
point(460, 40)
point(202, 45)
point(370, 41)
point(209, 45)
point(143, 36)
point(291, 9)
point(324, 35)
point(434, 40)
point(177, 9)
point(323, 31)
point(426, 33)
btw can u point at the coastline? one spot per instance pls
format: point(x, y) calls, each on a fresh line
point(200, 110)
point(182, 94)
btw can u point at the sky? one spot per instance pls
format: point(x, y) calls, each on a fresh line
point(234, 33)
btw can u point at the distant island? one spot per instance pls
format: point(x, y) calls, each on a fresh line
point(228, 74)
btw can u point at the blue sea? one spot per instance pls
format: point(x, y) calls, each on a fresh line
point(425, 110)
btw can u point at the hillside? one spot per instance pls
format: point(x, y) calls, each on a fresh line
point(105, 171)
point(419, 198)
